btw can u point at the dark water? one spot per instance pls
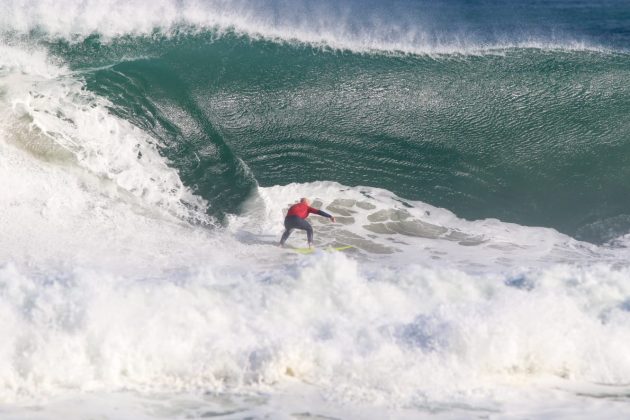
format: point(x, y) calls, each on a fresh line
point(525, 130)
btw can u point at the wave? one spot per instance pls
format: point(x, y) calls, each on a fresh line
point(117, 169)
point(508, 136)
point(505, 136)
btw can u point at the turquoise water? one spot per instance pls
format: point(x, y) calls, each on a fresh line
point(531, 135)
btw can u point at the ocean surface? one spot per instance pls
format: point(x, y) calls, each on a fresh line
point(476, 155)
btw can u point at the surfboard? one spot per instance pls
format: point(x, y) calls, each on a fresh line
point(329, 249)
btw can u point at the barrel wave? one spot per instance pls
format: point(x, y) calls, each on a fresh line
point(475, 155)
point(534, 136)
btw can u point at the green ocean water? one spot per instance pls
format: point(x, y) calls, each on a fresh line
point(535, 136)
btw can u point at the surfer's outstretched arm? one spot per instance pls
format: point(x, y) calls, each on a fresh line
point(321, 213)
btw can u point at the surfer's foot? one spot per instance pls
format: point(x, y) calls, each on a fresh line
point(310, 244)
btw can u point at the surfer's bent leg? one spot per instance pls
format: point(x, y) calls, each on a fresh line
point(289, 225)
point(285, 236)
point(309, 232)
point(294, 222)
point(304, 225)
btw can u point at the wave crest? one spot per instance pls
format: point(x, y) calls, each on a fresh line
point(337, 25)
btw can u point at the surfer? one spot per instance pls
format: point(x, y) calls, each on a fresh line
point(296, 219)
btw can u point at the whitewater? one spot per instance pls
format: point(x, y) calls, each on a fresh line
point(148, 152)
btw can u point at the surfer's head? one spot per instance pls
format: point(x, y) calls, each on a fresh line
point(305, 201)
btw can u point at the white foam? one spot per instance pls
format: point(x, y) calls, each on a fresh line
point(415, 337)
point(378, 223)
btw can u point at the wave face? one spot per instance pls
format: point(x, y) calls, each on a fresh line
point(527, 135)
point(516, 112)
point(474, 154)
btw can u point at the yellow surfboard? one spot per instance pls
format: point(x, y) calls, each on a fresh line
point(329, 249)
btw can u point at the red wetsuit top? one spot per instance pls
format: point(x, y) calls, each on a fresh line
point(302, 211)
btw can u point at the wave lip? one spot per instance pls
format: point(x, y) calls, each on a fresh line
point(344, 26)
